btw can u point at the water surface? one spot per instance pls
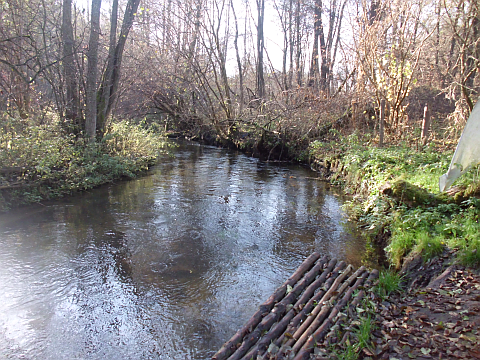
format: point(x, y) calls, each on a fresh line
point(167, 266)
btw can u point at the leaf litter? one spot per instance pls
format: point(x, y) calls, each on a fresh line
point(440, 320)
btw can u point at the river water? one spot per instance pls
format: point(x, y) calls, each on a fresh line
point(166, 266)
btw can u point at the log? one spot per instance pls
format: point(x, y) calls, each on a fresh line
point(373, 276)
point(322, 330)
point(309, 292)
point(340, 321)
point(310, 305)
point(14, 185)
point(9, 170)
point(309, 327)
point(279, 328)
point(310, 316)
point(230, 346)
point(319, 333)
point(279, 310)
point(316, 337)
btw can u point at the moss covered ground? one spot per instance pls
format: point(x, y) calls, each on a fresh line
point(396, 198)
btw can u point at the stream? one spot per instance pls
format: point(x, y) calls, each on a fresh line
point(166, 266)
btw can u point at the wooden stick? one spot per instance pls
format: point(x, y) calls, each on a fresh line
point(373, 276)
point(321, 331)
point(280, 327)
point(303, 333)
point(230, 346)
point(316, 337)
point(277, 312)
point(315, 303)
point(305, 311)
point(311, 289)
point(425, 125)
point(382, 122)
point(340, 321)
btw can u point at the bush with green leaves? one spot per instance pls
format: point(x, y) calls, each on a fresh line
point(55, 164)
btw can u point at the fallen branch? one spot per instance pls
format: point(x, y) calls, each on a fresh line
point(278, 311)
point(280, 327)
point(230, 346)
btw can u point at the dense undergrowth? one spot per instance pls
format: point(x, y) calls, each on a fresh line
point(42, 162)
point(397, 200)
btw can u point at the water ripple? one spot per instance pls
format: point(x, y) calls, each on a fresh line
point(167, 266)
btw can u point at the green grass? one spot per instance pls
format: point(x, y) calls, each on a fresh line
point(349, 353)
point(427, 231)
point(389, 282)
point(428, 245)
point(363, 333)
point(421, 221)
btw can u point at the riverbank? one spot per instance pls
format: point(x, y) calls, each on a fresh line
point(439, 320)
point(396, 200)
point(430, 239)
point(42, 163)
point(332, 312)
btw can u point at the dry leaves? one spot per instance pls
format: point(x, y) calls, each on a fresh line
point(431, 323)
point(440, 323)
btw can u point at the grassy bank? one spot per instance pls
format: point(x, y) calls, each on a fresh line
point(397, 200)
point(41, 162)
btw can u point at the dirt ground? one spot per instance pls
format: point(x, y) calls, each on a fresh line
point(437, 317)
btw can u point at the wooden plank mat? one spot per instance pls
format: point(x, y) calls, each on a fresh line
point(301, 312)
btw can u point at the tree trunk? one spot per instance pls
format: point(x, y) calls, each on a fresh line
point(314, 70)
point(260, 46)
point(91, 109)
point(291, 43)
point(333, 55)
point(298, 44)
point(239, 62)
point(105, 89)
point(323, 53)
point(72, 104)
point(111, 78)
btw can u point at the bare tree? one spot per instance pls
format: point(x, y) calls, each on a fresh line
point(239, 61)
point(260, 84)
point(91, 91)
point(72, 106)
point(111, 78)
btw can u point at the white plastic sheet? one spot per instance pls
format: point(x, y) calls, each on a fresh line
point(467, 153)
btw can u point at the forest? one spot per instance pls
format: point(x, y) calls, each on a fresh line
point(365, 91)
point(371, 94)
point(281, 71)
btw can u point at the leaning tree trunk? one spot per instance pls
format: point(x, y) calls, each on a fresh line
point(111, 78)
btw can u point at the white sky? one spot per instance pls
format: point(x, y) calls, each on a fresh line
point(272, 29)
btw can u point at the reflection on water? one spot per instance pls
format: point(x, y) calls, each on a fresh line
point(167, 266)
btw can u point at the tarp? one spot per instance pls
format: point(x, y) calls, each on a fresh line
point(467, 153)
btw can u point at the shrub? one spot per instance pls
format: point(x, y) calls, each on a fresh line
point(56, 164)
